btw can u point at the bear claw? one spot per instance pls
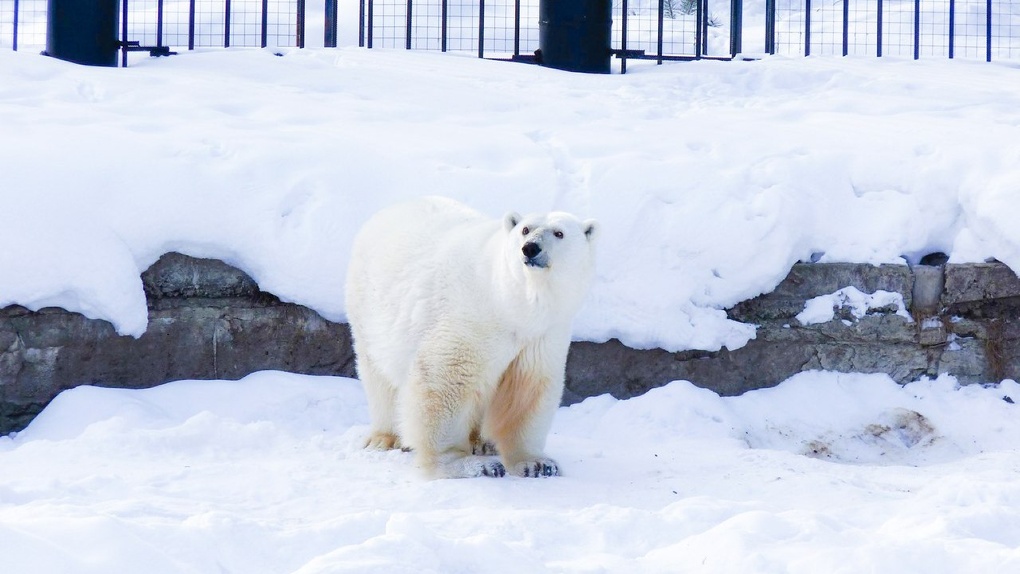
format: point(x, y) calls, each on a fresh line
point(494, 469)
point(538, 468)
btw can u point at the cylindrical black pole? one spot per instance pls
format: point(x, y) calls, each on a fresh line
point(83, 31)
point(575, 35)
point(329, 38)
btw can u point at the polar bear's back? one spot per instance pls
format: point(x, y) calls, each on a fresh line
point(399, 265)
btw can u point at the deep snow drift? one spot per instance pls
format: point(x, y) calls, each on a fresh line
point(710, 179)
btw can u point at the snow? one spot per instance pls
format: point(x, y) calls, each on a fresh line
point(825, 473)
point(822, 309)
point(710, 180)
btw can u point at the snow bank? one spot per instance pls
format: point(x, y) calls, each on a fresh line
point(267, 475)
point(711, 178)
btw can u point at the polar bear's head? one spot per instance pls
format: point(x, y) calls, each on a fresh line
point(556, 243)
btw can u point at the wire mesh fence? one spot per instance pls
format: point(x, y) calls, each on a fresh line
point(173, 23)
point(663, 29)
point(986, 29)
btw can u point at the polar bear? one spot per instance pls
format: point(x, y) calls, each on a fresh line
point(461, 326)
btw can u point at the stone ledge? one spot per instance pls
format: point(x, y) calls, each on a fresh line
point(208, 320)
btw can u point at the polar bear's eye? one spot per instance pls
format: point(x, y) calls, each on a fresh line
point(558, 234)
point(525, 231)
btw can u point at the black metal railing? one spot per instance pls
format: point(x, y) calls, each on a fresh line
point(656, 29)
point(174, 23)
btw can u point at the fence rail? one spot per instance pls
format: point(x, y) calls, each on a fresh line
point(659, 29)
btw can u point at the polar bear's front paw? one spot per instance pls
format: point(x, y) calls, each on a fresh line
point(383, 441)
point(467, 467)
point(493, 468)
point(537, 468)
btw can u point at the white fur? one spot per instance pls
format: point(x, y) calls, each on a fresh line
point(460, 340)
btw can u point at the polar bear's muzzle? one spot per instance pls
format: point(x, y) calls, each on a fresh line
point(534, 256)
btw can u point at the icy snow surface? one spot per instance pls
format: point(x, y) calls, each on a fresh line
point(710, 179)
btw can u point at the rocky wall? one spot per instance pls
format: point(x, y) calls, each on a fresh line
point(208, 320)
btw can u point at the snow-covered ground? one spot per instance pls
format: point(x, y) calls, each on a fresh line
point(710, 179)
point(825, 473)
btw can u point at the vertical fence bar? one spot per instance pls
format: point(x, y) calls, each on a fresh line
point(14, 43)
point(700, 41)
point(988, 31)
point(917, 29)
point(878, 49)
point(371, 21)
point(191, 25)
point(123, 33)
point(226, 23)
point(658, 44)
point(443, 26)
point(952, 28)
point(770, 27)
point(264, 32)
point(361, 23)
point(623, 38)
point(846, 27)
point(159, 23)
point(736, 27)
point(300, 32)
point(807, 28)
point(517, 28)
point(329, 34)
point(407, 26)
point(481, 28)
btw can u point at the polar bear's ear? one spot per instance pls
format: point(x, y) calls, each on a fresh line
point(591, 229)
point(510, 220)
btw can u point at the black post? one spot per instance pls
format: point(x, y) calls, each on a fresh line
point(15, 42)
point(191, 25)
point(770, 26)
point(517, 28)
point(576, 35)
point(329, 35)
point(123, 34)
point(300, 32)
point(659, 43)
point(361, 23)
point(623, 37)
point(407, 25)
point(879, 52)
point(444, 29)
point(159, 23)
point(988, 31)
point(481, 28)
point(846, 27)
point(917, 29)
point(952, 27)
point(84, 31)
point(736, 26)
point(226, 23)
point(265, 23)
point(807, 28)
point(703, 26)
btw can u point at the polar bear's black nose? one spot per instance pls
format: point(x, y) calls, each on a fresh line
point(531, 249)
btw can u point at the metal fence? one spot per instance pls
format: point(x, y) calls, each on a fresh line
point(174, 23)
point(692, 29)
point(657, 29)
